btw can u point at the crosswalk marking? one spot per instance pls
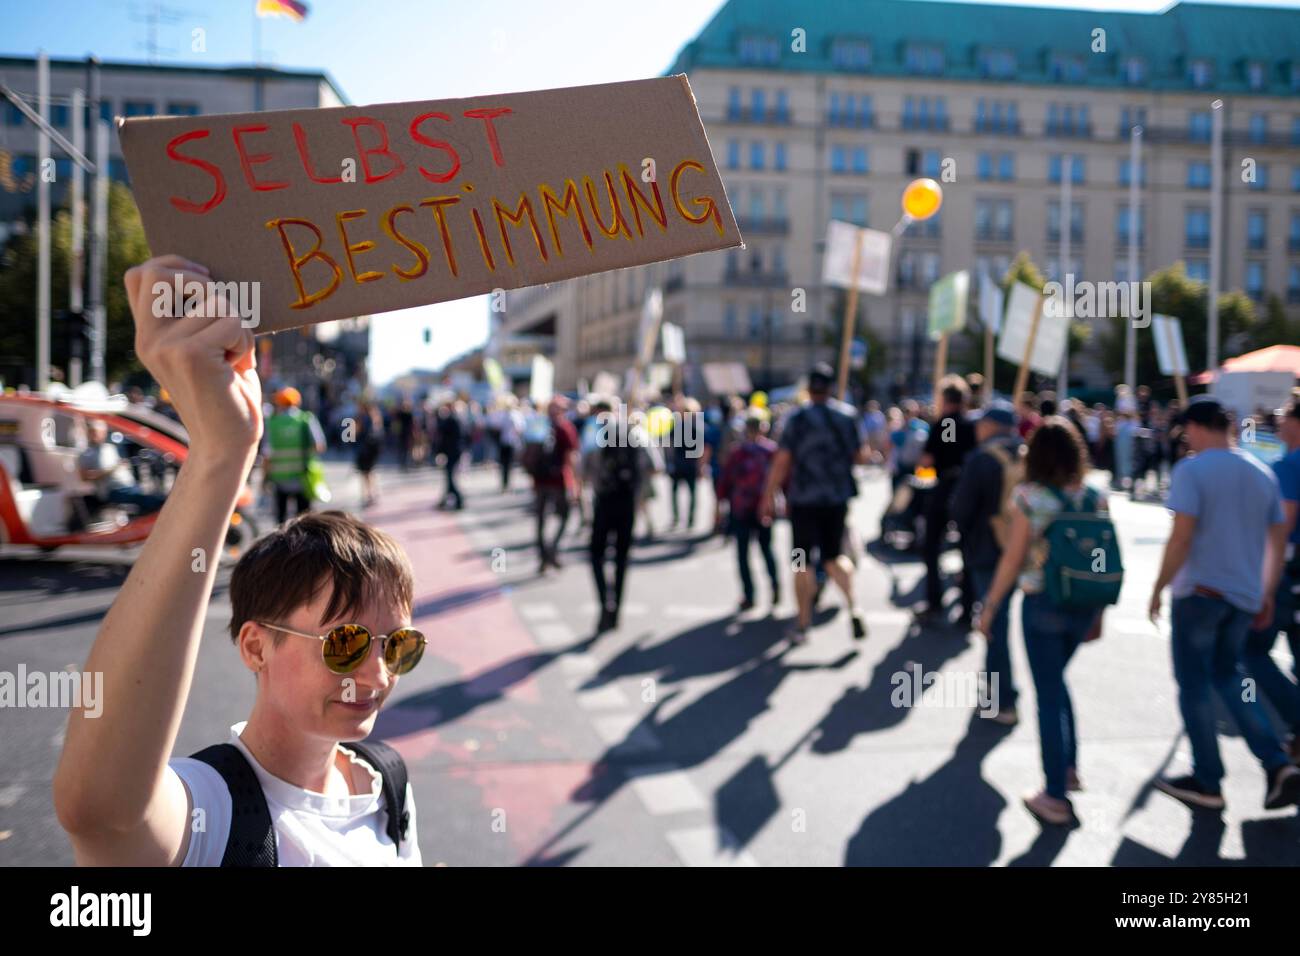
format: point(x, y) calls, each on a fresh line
point(665, 789)
point(604, 697)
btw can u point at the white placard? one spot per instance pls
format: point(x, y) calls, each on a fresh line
point(873, 266)
point(1242, 393)
point(992, 303)
point(674, 343)
point(652, 311)
point(1171, 354)
point(606, 384)
point(1049, 341)
point(541, 387)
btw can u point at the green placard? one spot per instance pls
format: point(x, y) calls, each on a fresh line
point(948, 303)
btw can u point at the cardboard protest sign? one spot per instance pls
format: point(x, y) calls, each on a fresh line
point(726, 378)
point(873, 258)
point(992, 304)
point(356, 210)
point(495, 375)
point(1171, 354)
point(606, 384)
point(948, 298)
point(674, 343)
point(1049, 339)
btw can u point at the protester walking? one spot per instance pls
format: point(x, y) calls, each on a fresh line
point(819, 445)
point(741, 486)
point(292, 442)
point(951, 439)
point(550, 454)
point(1223, 563)
point(370, 440)
point(1062, 602)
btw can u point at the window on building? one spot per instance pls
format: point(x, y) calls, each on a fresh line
point(860, 160)
point(1295, 179)
point(1122, 224)
point(1255, 75)
point(1255, 279)
point(106, 110)
point(1200, 73)
point(923, 58)
point(984, 166)
point(138, 108)
point(733, 154)
point(1293, 234)
point(1134, 70)
point(730, 325)
point(1125, 173)
point(1261, 177)
point(59, 115)
point(1196, 227)
point(756, 155)
point(778, 203)
point(1054, 221)
point(1129, 117)
point(1293, 283)
point(839, 159)
point(1066, 68)
point(778, 157)
point(755, 321)
point(1198, 270)
point(1198, 175)
point(1199, 126)
point(931, 162)
point(1056, 162)
point(757, 105)
point(1007, 166)
point(1258, 129)
point(997, 63)
point(1256, 229)
point(781, 113)
point(763, 50)
point(735, 110)
point(182, 109)
point(850, 54)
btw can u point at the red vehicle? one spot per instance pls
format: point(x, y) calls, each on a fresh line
point(44, 500)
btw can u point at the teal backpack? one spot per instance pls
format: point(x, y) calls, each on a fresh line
point(1083, 567)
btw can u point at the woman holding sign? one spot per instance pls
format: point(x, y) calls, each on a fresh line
point(310, 601)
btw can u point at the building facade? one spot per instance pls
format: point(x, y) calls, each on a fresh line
point(319, 360)
point(826, 111)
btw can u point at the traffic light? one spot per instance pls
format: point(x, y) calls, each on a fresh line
point(76, 331)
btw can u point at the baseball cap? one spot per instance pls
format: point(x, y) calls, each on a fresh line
point(1205, 410)
point(999, 412)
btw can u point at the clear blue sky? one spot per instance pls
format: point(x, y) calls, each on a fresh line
point(401, 50)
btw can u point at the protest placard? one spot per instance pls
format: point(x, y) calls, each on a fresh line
point(330, 213)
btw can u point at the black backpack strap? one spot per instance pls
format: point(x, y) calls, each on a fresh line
point(252, 836)
point(392, 770)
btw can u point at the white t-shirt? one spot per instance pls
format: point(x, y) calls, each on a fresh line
point(311, 829)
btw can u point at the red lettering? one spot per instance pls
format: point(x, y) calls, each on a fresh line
point(436, 144)
point(218, 180)
point(247, 161)
point(380, 150)
point(300, 137)
point(487, 115)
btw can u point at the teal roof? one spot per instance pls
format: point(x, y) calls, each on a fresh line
point(1229, 37)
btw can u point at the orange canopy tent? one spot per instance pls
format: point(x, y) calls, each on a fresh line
point(1275, 358)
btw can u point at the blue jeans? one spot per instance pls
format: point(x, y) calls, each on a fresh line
point(1052, 634)
point(997, 661)
point(1209, 636)
point(1281, 691)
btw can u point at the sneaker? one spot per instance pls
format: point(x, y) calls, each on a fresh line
point(1283, 788)
point(859, 625)
point(1190, 791)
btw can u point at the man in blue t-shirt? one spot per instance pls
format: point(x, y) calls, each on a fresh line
point(1282, 691)
point(1223, 561)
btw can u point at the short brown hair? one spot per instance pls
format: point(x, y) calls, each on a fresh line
point(1057, 455)
point(287, 569)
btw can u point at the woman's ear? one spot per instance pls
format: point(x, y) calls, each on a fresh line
point(254, 645)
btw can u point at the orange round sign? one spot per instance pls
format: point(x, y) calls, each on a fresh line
point(922, 198)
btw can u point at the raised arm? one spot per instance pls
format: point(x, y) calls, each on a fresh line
point(113, 792)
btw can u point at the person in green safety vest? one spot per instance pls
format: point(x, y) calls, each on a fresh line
point(292, 441)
